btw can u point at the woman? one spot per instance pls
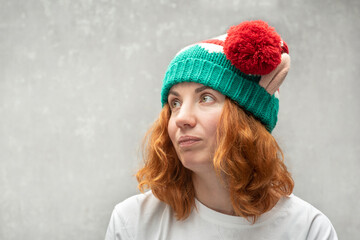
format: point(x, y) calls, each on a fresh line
point(211, 163)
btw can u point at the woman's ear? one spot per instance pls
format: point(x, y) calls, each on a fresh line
point(272, 81)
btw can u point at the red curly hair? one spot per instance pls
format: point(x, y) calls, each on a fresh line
point(248, 160)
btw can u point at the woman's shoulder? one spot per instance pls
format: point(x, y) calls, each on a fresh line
point(140, 204)
point(134, 214)
point(299, 207)
point(302, 214)
point(138, 200)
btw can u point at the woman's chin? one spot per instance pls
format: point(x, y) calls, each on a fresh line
point(196, 164)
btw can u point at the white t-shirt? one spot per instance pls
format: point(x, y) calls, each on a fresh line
point(143, 216)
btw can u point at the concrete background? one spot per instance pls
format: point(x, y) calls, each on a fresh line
point(80, 84)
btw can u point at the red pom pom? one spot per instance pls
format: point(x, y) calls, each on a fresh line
point(285, 48)
point(253, 47)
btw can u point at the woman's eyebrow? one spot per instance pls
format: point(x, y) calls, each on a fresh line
point(174, 93)
point(197, 90)
point(201, 89)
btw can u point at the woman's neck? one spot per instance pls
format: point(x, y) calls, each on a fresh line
point(212, 192)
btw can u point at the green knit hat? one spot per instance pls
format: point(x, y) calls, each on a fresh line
point(248, 64)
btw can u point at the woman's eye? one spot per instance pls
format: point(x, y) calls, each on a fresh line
point(175, 103)
point(207, 98)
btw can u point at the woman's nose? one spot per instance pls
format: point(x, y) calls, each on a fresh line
point(186, 116)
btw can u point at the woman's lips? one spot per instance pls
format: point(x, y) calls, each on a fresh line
point(187, 141)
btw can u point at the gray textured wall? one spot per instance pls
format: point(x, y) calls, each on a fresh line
point(80, 84)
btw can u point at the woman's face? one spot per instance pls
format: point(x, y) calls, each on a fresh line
point(195, 113)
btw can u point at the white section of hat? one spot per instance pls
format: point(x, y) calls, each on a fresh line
point(211, 47)
point(221, 37)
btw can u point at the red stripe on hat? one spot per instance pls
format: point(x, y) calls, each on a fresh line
point(214, 41)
